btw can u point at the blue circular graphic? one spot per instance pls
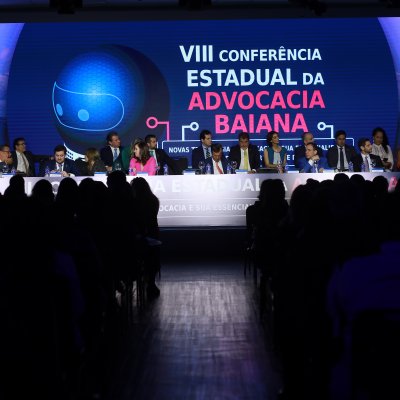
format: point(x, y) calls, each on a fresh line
point(102, 91)
point(83, 115)
point(59, 110)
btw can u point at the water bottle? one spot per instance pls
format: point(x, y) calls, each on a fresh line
point(228, 169)
point(315, 169)
point(351, 167)
point(165, 169)
point(362, 167)
point(47, 171)
point(130, 171)
point(279, 167)
point(208, 169)
point(13, 171)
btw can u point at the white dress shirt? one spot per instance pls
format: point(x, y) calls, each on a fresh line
point(21, 164)
point(216, 172)
point(346, 163)
point(378, 150)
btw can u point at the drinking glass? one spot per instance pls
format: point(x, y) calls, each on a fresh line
point(234, 165)
point(201, 166)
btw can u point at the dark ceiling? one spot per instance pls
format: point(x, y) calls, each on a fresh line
point(37, 10)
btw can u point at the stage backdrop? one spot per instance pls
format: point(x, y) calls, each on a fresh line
point(73, 83)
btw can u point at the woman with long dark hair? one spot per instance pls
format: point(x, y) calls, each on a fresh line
point(274, 154)
point(142, 161)
point(381, 148)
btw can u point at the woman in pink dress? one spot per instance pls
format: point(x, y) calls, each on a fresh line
point(142, 161)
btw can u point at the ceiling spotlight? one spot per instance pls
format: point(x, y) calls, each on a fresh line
point(317, 7)
point(66, 6)
point(195, 4)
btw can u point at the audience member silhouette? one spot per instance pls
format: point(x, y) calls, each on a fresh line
point(146, 218)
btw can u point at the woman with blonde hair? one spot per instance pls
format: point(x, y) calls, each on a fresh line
point(93, 162)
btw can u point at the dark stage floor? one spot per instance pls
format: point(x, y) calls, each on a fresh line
point(202, 338)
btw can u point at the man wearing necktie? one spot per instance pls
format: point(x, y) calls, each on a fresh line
point(366, 157)
point(161, 157)
point(246, 155)
point(60, 164)
point(203, 152)
point(5, 158)
point(111, 154)
point(340, 154)
point(23, 161)
point(217, 161)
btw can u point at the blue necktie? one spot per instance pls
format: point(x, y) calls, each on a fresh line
point(115, 154)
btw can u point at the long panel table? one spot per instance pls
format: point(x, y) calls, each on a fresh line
point(208, 200)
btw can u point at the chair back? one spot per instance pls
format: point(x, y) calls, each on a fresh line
point(181, 163)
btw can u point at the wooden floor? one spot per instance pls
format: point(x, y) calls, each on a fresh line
point(201, 339)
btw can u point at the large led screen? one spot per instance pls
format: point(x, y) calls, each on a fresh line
point(73, 83)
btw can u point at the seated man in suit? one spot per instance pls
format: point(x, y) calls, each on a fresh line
point(111, 154)
point(312, 162)
point(245, 155)
point(161, 156)
point(202, 152)
point(217, 161)
point(341, 154)
point(366, 157)
point(60, 164)
point(300, 151)
point(23, 160)
point(5, 158)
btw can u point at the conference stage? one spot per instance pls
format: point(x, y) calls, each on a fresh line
point(208, 200)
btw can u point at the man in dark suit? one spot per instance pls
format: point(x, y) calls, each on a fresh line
point(217, 161)
point(300, 151)
point(5, 158)
point(366, 158)
point(60, 164)
point(111, 154)
point(245, 154)
point(312, 160)
point(341, 154)
point(162, 158)
point(203, 152)
point(23, 161)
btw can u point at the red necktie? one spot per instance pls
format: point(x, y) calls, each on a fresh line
point(219, 169)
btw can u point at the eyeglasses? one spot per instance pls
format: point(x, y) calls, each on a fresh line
point(21, 144)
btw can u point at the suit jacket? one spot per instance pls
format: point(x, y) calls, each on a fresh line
point(254, 156)
point(224, 163)
point(333, 157)
point(300, 152)
point(31, 162)
point(69, 166)
point(358, 160)
point(106, 154)
point(197, 156)
point(304, 165)
point(162, 159)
